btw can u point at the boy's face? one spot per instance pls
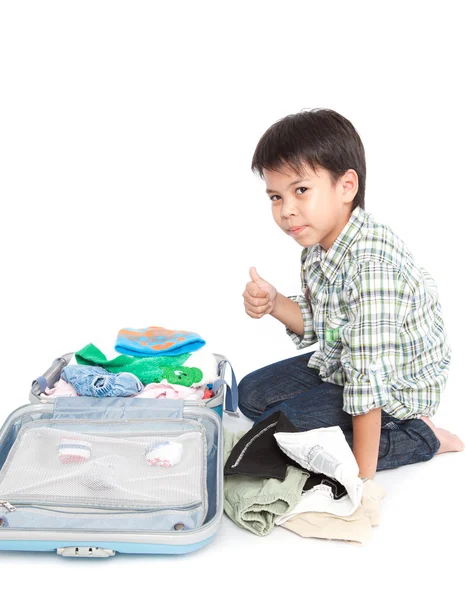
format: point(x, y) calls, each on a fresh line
point(311, 209)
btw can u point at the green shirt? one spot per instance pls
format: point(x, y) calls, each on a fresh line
point(377, 320)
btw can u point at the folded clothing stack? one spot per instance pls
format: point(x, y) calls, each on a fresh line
point(157, 363)
point(305, 481)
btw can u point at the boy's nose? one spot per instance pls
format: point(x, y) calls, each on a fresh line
point(288, 209)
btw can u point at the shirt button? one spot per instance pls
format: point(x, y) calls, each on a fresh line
point(373, 367)
point(363, 231)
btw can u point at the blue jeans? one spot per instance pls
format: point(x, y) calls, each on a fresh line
point(98, 382)
point(298, 391)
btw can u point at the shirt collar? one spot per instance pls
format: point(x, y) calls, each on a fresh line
point(332, 259)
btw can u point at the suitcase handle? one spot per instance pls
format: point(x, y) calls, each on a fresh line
point(231, 397)
point(51, 375)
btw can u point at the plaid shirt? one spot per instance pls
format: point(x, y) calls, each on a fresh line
point(376, 318)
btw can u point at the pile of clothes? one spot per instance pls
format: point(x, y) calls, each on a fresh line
point(305, 481)
point(154, 362)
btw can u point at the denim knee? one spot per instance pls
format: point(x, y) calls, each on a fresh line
point(247, 396)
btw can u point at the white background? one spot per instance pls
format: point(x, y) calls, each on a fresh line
point(126, 136)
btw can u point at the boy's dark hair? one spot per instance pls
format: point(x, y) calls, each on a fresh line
point(319, 138)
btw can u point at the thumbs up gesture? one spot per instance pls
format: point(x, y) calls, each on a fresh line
point(259, 296)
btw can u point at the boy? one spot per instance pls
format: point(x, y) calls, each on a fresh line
point(382, 355)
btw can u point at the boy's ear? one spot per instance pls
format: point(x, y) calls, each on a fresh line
point(350, 185)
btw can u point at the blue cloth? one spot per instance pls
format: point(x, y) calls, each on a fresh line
point(295, 389)
point(156, 341)
point(96, 381)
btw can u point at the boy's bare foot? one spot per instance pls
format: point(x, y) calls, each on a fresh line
point(449, 442)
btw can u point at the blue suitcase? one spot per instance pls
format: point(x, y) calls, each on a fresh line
point(84, 476)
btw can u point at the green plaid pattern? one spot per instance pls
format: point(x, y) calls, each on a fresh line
point(377, 320)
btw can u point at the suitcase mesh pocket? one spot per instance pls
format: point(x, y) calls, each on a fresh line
point(113, 471)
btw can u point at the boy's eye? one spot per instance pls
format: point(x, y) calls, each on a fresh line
point(275, 196)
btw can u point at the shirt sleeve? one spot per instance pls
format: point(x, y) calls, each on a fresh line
point(379, 299)
point(309, 336)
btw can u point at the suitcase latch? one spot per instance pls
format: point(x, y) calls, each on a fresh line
point(86, 551)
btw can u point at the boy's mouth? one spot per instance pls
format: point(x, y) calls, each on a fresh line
point(296, 230)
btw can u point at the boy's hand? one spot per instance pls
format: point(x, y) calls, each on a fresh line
point(259, 295)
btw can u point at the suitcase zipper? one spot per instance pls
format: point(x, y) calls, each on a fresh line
point(96, 509)
point(7, 505)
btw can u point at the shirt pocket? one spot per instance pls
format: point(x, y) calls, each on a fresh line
point(332, 342)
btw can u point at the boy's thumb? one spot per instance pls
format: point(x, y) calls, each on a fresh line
point(255, 278)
